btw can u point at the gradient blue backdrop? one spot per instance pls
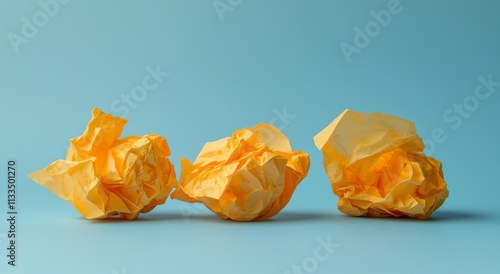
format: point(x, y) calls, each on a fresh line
point(263, 56)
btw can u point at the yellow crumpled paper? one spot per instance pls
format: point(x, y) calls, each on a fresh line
point(104, 176)
point(376, 166)
point(248, 176)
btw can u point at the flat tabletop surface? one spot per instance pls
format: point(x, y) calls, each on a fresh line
point(192, 240)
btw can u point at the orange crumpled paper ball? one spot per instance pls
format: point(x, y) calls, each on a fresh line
point(104, 176)
point(376, 166)
point(248, 176)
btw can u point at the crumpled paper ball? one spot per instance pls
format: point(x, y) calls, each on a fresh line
point(376, 166)
point(248, 176)
point(104, 176)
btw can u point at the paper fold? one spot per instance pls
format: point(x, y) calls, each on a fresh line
point(248, 176)
point(104, 176)
point(376, 166)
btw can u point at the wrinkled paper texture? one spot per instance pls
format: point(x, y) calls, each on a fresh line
point(248, 176)
point(104, 176)
point(376, 166)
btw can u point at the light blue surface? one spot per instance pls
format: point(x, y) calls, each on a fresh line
point(263, 56)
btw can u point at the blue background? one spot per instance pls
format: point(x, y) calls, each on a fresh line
point(227, 74)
